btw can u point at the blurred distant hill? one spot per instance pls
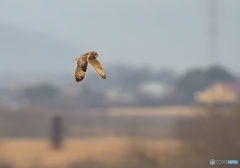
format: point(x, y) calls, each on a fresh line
point(124, 86)
point(25, 52)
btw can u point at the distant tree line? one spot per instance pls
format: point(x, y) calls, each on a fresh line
point(198, 79)
point(40, 92)
point(128, 79)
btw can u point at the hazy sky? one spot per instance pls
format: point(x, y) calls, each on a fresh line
point(163, 33)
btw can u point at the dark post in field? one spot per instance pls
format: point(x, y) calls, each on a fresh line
point(56, 132)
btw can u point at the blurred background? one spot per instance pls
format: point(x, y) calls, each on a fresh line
point(171, 97)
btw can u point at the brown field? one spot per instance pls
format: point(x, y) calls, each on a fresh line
point(29, 152)
point(105, 138)
point(170, 111)
point(137, 121)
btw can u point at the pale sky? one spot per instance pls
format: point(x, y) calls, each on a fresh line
point(163, 33)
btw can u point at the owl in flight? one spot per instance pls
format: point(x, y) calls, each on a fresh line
point(82, 63)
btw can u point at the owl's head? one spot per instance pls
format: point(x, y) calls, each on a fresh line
point(95, 54)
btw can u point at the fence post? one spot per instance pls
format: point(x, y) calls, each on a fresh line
point(56, 132)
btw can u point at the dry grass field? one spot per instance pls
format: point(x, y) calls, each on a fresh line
point(170, 111)
point(28, 153)
point(167, 137)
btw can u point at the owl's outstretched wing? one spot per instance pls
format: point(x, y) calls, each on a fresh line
point(97, 67)
point(81, 68)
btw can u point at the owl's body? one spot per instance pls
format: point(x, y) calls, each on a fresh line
point(82, 63)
